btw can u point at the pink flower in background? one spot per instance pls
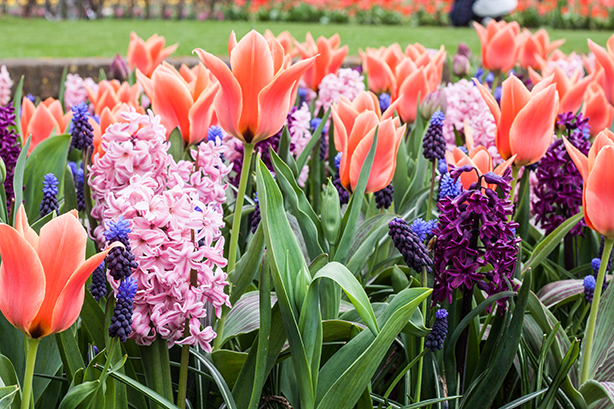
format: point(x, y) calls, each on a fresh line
point(299, 128)
point(347, 82)
point(74, 91)
point(5, 86)
point(175, 209)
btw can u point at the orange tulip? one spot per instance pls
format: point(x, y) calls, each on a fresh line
point(42, 120)
point(111, 93)
point(598, 176)
point(258, 92)
point(604, 64)
point(500, 44)
point(188, 106)
point(534, 45)
point(379, 65)
point(42, 277)
point(597, 109)
point(328, 58)
point(525, 121)
point(147, 55)
point(571, 90)
point(285, 39)
point(355, 124)
point(480, 159)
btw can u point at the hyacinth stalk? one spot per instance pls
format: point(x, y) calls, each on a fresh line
point(592, 318)
point(182, 389)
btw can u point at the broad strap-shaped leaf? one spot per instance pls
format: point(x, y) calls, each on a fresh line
point(244, 316)
point(219, 380)
point(18, 175)
point(149, 393)
point(595, 391)
point(8, 395)
point(315, 137)
point(601, 366)
point(176, 144)
point(70, 193)
point(229, 364)
point(8, 377)
point(69, 351)
point(560, 292)
point(17, 106)
point(561, 375)
point(247, 267)
point(367, 236)
point(82, 394)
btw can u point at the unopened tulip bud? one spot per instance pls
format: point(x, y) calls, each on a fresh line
point(119, 69)
point(303, 279)
point(331, 214)
point(463, 49)
point(434, 101)
point(461, 65)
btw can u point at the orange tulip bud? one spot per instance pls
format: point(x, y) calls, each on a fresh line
point(598, 176)
point(43, 120)
point(147, 55)
point(525, 121)
point(257, 93)
point(111, 93)
point(42, 277)
point(536, 45)
point(500, 44)
point(328, 58)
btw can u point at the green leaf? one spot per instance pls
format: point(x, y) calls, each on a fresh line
point(102, 75)
point(284, 151)
point(594, 391)
point(368, 235)
point(354, 291)
point(315, 137)
point(8, 395)
point(176, 144)
point(83, 393)
point(48, 362)
point(70, 194)
point(69, 351)
point(92, 317)
point(229, 363)
point(603, 340)
point(561, 375)
point(428, 402)
point(8, 377)
point(401, 180)
point(550, 242)
point(244, 317)
point(17, 106)
point(154, 396)
point(18, 176)
point(344, 377)
point(63, 86)
point(247, 267)
point(49, 156)
point(560, 292)
point(524, 399)
point(219, 380)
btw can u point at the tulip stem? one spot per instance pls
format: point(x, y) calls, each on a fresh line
point(592, 319)
point(515, 171)
point(429, 205)
point(32, 348)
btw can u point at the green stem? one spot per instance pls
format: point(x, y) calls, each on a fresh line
point(248, 148)
point(429, 206)
point(394, 383)
point(32, 348)
point(183, 375)
point(515, 171)
point(495, 81)
point(592, 318)
point(421, 362)
point(107, 364)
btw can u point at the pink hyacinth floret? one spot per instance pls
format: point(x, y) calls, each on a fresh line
point(299, 129)
point(74, 90)
point(175, 210)
point(347, 82)
point(5, 86)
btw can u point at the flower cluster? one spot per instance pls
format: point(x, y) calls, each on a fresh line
point(5, 86)
point(81, 130)
point(74, 90)
point(9, 149)
point(423, 229)
point(121, 321)
point(384, 197)
point(437, 336)
point(433, 143)
point(409, 245)
point(558, 191)
point(347, 82)
point(50, 195)
point(175, 211)
point(473, 232)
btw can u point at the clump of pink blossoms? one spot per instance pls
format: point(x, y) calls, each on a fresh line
point(5, 86)
point(175, 210)
point(347, 82)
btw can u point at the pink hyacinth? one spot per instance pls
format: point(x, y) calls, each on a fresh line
point(5, 86)
point(175, 210)
point(484, 133)
point(570, 64)
point(347, 82)
point(74, 91)
point(299, 128)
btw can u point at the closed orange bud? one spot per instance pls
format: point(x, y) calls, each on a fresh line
point(42, 277)
point(500, 44)
point(147, 55)
point(328, 57)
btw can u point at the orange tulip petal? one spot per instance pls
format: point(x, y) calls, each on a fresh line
point(571, 101)
point(41, 125)
point(27, 110)
point(23, 227)
point(604, 138)
point(341, 135)
point(607, 62)
point(514, 97)
point(138, 56)
point(172, 101)
point(412, 88)
point(359, 143)
point(599, 194)
point(200, 115)
point(579, 159)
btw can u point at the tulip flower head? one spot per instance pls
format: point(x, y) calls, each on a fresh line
point(500, 44)
point(571, 90)
point(597, 109)
point(147, 55)
point(535, 48)
point(328, 58)
point(111, 93)
point(478, 158)
point(42, 277)
point(598, 174)
point(257, 91)
point(525, 121)
point(43, 120)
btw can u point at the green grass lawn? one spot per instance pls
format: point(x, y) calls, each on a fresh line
point(105, 38)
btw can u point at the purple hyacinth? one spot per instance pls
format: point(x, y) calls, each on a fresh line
point(120, 260)
point(434, 144)
point(98, 289)
point(474, 232)
point(9, 149)
point(409, 245)
point(384, 101)
point(437, 336)
point(50, 193)
point(384, 197)
point(121, 321)
point(558, 193)
point(81, 131)
point(423, 229)
point(589, 287)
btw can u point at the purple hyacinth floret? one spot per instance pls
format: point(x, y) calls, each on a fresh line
point(474, 232)
point(433, 143)
point(98, 289)
point(437, 336)
point(384, 197)
point(9, 149)
point(81, 130)
point(50, 193)
point(121, 321)
point(384, 101)
point(409, 245)
point(589, 287)
point(558, 192)
point(423, 229)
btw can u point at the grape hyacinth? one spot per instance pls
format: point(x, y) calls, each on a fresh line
point(423, 229)
point(589, 287)
point(437, 336)
point(384, 101)
point(473, 232)
point(595, 264)
point(50, 192)
point(434, 144)
point(338, 160)
point(384, 197)
point(98, 289)
point(449, 187)
point(344, 195)
point(215, 134)
point(81, 130)
point(120, 260)
point(9, 149)
point(558, 192)
point(256, 217)
point(121, 321)
point(409, 245)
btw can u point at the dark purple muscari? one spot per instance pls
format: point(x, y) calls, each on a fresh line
point(120, 260)
point(344, 195)
point(437, 336)
point(50, 193)
point(81, 131)
point(433, 143)
point(589, 288)
point(558, 193)
point(256, 216)
point(409, 245)
point(121, 321)
point(473, 232)
point(384, 197)
point(98, 289)
point(9, 149)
